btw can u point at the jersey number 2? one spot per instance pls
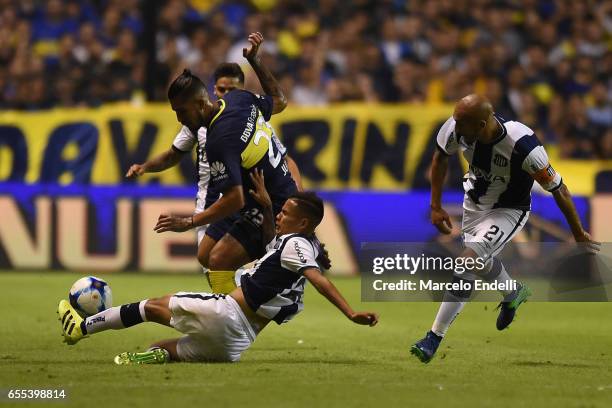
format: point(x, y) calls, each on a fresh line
point(492, 232)
point(265, 131)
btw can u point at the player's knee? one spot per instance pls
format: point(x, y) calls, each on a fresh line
point(218, 260)
point(203, 259)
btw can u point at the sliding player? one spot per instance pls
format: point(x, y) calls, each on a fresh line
point(217, 327)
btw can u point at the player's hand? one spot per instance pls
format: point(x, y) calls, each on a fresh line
point(590, 245)
point(173, 223)
point(365, 318)
point(441, 220)
point(255, 39)
point(135, 170)
point(260, 194)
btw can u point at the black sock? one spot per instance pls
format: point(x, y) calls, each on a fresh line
point(130, 314)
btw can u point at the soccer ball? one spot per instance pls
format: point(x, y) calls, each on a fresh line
point(90, 295)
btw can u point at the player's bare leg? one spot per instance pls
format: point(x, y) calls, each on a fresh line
point(225, 257)
point(158, 310)
point(204, 250)
point(169, 345)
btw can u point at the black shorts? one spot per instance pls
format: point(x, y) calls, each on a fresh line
point(218, 229)
point(245, 228)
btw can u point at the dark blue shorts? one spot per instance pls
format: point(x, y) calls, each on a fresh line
point(218, 229)
point(245, 228)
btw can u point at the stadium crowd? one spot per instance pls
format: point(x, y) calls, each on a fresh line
point(547, 63)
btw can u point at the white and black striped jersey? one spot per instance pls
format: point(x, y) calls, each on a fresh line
point(501, 173)
point(184, 142)
point(274, 288)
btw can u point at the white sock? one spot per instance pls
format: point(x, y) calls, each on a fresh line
point(141, 309)
point(238, 275)
point(118, 317)
point(450, 307)
point(499, 274)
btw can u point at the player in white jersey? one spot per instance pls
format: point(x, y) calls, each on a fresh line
point(504, 157)
point(219, 327)
point(183, 144)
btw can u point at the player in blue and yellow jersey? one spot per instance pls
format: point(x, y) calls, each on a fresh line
point(239, 140)
point(228, 76)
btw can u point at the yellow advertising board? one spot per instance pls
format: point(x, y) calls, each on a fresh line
point(348, 146)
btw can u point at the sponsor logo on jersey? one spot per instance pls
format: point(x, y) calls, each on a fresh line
point(217, 170)
point(298, 251)
point(487, 176)
point(250, 125)
point(500, 160)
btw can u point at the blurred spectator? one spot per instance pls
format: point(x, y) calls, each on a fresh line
point(545, 62)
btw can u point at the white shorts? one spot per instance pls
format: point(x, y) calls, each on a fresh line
point(216, 328)
point(201, 231)
point(488, 231)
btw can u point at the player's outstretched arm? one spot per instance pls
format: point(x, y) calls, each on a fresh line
point(231, 202)
point(327, 289)
point(165, 160)
point(269, 84)
point(564, 201)
point(260, 194)
point(439, 217)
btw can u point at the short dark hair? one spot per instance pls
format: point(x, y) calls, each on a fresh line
point(310, 205)
point(186, 85)
point(229, 69)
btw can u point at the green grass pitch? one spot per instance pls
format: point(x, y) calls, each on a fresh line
point(554, 354)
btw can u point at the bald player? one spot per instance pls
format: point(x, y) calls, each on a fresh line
point(504, 157)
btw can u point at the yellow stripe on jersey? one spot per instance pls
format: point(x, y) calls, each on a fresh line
point(218, 113)
point(258, 146)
